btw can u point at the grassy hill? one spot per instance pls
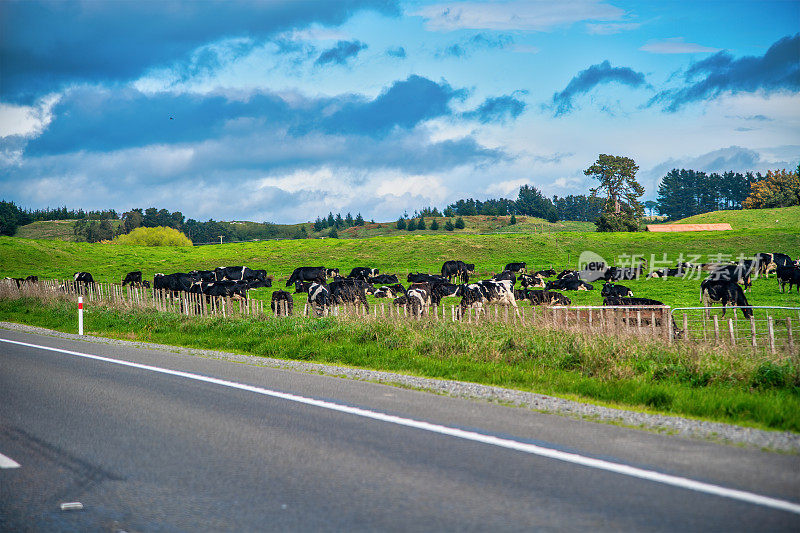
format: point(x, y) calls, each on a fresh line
point(62, 230)
point(777, 218)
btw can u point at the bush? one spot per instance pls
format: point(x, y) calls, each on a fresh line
point(513, 220)
point(412, 225)
point(460, 223)
point(333, 234)
point(434, 225)
point(158, 236)
point(449, 225)
point(401, 223)
point(421, 223)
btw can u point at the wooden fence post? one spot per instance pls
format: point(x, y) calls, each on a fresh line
point(716, 329)
point(771, 334)
point(790, 334)
point(732, 332)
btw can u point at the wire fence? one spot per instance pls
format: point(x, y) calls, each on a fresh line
point(772, 328)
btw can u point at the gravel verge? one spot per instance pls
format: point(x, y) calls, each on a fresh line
point(783, 441)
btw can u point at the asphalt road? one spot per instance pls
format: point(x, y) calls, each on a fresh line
point(145, 450)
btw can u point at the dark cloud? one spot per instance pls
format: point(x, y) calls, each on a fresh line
point(476, 42)
point(340, 53)
point(588, 79)
point(398, 52)
point(497, 109)
point(45, 45)
point(777, 70)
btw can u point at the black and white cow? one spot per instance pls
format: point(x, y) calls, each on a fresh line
point(302, 286)
point(567, 274)
point(725, 292)
point(176, 282)
point(236, 290)
point(527, 281)
point(488, 291)
point(319, 298)
point(418, 298)
point(542, 297)
point(315, 274)
point(363, 273)
point(389, 291)
point(458, 270)
point(549, 273)
point(569, 283)
point(516, 267)
point(283, 301)
point(790, 275)
point(331, 272)
point(617, 291)
point(384, 279)
point(134, 278)
point(204, 275)
point(738, 273)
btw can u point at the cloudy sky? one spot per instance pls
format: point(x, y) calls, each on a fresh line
point(283, 111)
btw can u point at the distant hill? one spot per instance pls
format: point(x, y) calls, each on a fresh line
point(63, 230)
point(777, 218)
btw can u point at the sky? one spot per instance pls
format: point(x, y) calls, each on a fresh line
point(285, 111)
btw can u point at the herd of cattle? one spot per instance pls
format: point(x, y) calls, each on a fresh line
point(725, 284)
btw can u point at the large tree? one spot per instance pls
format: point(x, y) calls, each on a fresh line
point(617, 176)
point(779, 188)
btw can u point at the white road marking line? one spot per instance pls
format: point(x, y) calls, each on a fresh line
point(650, 475)
point(7, 462)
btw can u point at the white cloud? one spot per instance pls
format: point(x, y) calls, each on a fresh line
point(675, 45)
point(515, 15)
point(611, 28)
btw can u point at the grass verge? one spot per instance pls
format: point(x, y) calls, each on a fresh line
point(740, 387)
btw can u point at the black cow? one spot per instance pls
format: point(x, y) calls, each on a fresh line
point(725, 292)
point(302, 286)
point(225, 288)
point(516, 267)
point(790, 275)
point(283, 301)
point(487, 291)
point(32, 279)
point(623, 273)
point(316, 274)
point(506, 275)
point(618, 291)
point(348, 290)
point(425, 278)
point(319, 297)
point(457, 269)
point(384, 279)
point(567, 274)
point(629, 302)
point(363, 273)
point(442, 290)
point(542, 297)
point(331, 272)
point(549, 273)
point(83, 277)
point(134, 278)
point(177, 282)
point(239, 273)
point(569, 283)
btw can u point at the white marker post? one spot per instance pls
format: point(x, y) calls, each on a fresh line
point(80, 315)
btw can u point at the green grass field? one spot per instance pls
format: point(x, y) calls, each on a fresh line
point(783, 218)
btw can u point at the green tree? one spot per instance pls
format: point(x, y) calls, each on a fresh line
point(513, 220)
point(434, 225)
point(348, 220)
point(401, 223)
point(650, 205)
point(460, 223)
point(448, 226)
point(531, 202)
point(617, 177)
point(421, 223)
point(359, 220)
point(319, 224)
point(333, 234)
point(411, 225)
point(131, 220)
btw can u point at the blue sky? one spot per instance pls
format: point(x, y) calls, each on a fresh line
point(284, 111)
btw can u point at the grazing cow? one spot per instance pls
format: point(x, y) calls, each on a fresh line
point(629, 302)
point(384, 279)
point(239, 273)
point(506, 275)
point(236, 290)
point(134, 278)
point(349, 290)
point(32, 279)
point(418, 298)
point(618, 291)
point(790, 275)
point(549, 273)
point(319, 298)
point(302, 286)
point(536, 280)
point(204, 275)
point(781, 260)
point(83, 277)
point(569, 283)
point(516, 267)
point(764, 263)
point(177, 282)
point(725, 292)
point(362, 273)
point(281, 300)
point(443, 290)
point(425, 278)
point(389, 291)
point(457, 269)
point(316, 274)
